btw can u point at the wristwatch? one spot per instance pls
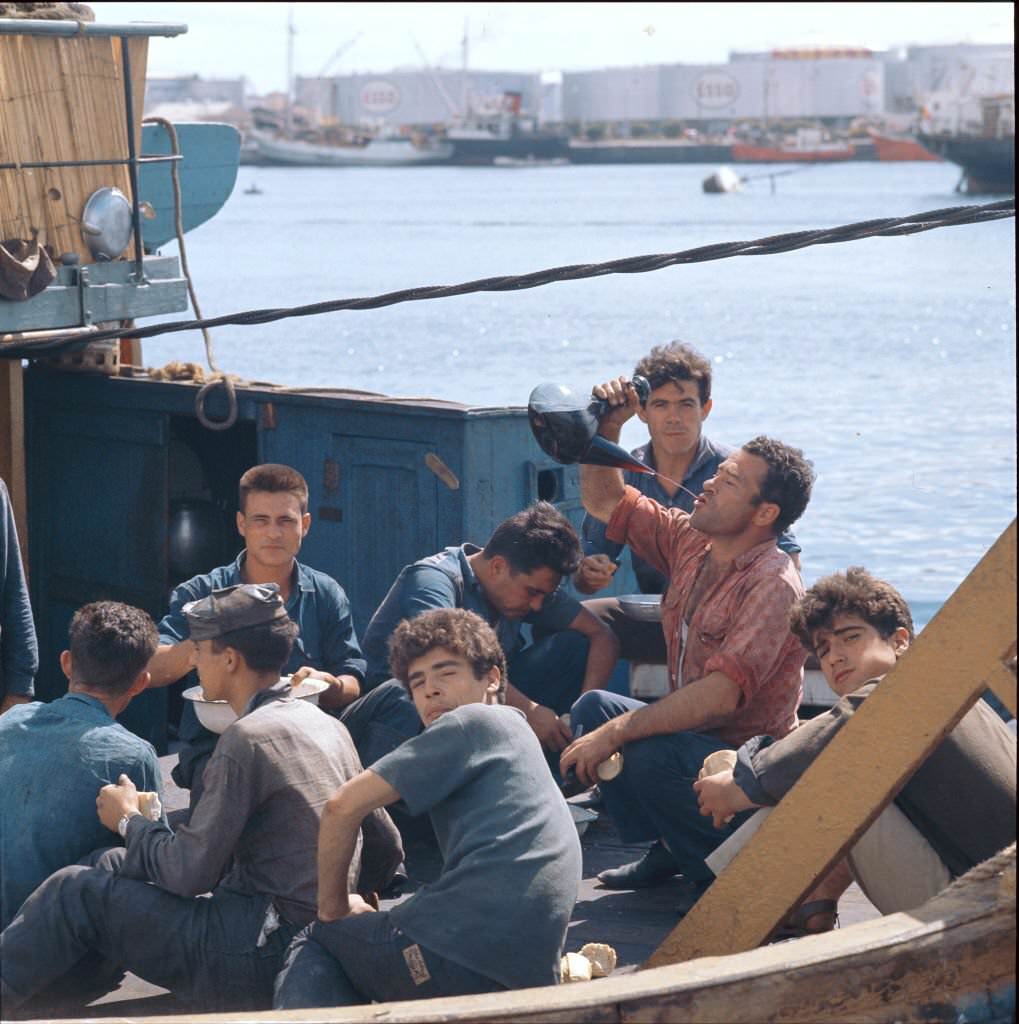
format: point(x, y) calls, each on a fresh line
point(122, 825)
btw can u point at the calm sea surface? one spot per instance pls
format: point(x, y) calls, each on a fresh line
point(890, 361)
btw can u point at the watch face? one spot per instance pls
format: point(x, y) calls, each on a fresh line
point(122, 827)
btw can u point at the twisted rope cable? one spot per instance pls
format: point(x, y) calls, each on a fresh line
point(882, 227)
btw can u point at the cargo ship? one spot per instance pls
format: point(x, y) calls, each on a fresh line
point(986, 156)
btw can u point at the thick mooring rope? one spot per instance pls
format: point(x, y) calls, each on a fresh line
point(884, 227)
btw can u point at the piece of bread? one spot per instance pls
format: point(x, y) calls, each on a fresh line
point(603, 958)
point(719, 761)
point(574, 967)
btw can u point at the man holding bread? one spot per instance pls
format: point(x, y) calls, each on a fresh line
point(251, 840)
point(735, 670)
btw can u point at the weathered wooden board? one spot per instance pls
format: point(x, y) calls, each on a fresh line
point(953, 661)
point(955, 952)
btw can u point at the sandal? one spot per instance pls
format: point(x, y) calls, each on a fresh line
point(797, 925)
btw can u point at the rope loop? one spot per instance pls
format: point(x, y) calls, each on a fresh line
point(227, 380)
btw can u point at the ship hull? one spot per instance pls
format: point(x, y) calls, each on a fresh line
point(376, 153)
point(487, 152)
point(743, 153)
point(648, 153)
point(988, 165)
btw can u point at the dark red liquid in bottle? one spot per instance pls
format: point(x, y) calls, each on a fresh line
point(601, 452)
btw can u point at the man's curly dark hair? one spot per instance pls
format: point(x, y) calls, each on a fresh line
point(457, 630)
point(788, 481)
point(855, 592)
point(676, 361)
point(539, 537)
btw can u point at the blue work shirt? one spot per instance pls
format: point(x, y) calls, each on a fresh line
point(317, 604)
point(446, 580)
point(54, 758)
point(710, 455)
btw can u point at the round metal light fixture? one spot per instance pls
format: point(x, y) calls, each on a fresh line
point(106, 223)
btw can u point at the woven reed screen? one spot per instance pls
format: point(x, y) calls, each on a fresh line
point(62, 98)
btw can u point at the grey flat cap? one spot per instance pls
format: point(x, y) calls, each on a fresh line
point(223, 611)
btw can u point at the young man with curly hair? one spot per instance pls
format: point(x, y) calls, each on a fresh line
point(674, 413)
point(735, 670)
point(956, 810)
point(496, 917)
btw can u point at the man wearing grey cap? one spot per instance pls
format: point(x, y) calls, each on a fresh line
point(251, 840)
point(273, 519)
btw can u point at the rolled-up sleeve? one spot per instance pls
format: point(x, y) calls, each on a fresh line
point(191, 860)
point(654, 532)
point(766, 769)
point(173, 626)
point(750, 653)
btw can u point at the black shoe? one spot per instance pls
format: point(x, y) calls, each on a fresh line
point(656, 866)
point(396, 883)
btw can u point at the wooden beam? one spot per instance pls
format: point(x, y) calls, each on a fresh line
point(952, 662)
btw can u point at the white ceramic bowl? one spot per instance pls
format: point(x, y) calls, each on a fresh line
point(645, 607)
point(216, 715)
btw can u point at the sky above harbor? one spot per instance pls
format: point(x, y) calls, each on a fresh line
point(229, 40)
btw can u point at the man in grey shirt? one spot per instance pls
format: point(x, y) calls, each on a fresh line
point(251, 839)
point(496, 917)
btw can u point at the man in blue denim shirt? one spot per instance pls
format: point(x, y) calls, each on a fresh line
point(514, 579)
point(54, 758)
point(678, 405)
point(273, 519)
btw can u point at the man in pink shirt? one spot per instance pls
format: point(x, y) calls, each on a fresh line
point(735, 670)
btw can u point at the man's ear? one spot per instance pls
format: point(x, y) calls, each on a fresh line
point(706, 409)
point(233, 658)
point(766, 513)
point(65, 664)
point(240, 523)
point(493, 680)
point(498, 566)
point(140, 683)
point(900, 641)
point(305, 524)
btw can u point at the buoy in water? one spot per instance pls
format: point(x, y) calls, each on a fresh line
point(725, 179)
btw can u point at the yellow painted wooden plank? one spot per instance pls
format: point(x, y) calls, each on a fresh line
point(1002, 684)
point(861, 770)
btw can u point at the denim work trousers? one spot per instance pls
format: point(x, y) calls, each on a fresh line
point(653, 797)
point(365, 959)
point(549, 671)
point(201, 949)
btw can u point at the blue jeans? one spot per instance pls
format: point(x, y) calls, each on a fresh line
point(363, 959)
point(653, 798)
point(200, 949)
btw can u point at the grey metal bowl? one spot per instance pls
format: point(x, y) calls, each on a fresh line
point(644, 607)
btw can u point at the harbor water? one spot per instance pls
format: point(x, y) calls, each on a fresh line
point(890, 361)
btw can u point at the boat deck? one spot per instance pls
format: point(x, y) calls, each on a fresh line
point(633, 922)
